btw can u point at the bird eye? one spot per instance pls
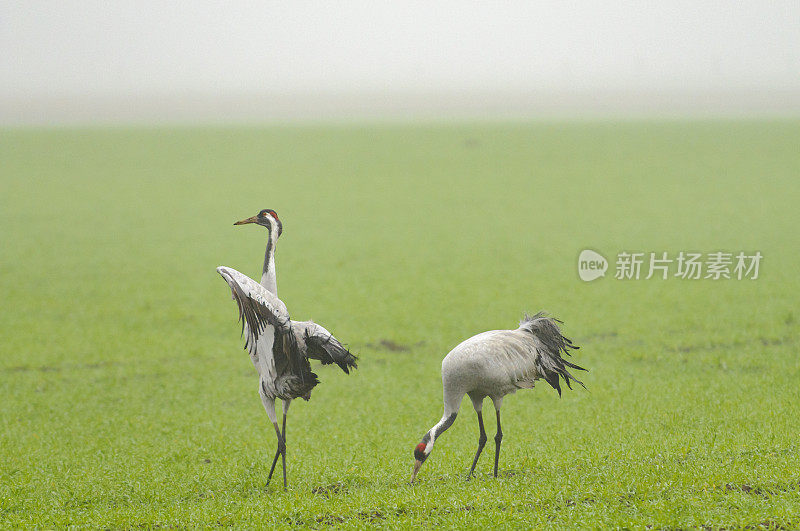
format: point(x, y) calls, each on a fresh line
point(263, 214)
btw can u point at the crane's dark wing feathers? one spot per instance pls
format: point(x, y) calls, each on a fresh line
point(322, 346)
point(297, 377)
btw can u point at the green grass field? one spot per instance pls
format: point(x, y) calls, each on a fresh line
point(127, 400)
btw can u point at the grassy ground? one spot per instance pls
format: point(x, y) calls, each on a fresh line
point(127, 400)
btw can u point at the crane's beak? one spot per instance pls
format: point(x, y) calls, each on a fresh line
point(254, 219)
point(417, 465)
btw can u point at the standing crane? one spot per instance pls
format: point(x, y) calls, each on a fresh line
point(279, 348)
point(495, 364)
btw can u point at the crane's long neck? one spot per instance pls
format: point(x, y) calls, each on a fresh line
point(451, 406)
point(268, 278)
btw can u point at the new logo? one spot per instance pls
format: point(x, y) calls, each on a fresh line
point(591, 265)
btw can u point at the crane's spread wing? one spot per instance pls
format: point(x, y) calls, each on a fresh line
point(321, 345)
point(295, 342)
point(257, 308)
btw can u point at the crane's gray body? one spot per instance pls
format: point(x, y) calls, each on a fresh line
point(498, 362)
point(492, 364)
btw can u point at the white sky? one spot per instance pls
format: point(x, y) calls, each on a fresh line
point(126, 48)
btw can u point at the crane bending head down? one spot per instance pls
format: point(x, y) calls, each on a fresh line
point(494, 364)
point(266, 218)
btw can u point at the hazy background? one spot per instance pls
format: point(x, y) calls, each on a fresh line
point(143, 61)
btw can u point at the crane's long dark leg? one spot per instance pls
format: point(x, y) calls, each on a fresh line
point(283, 456)
point(477, 403)
point(281, 451)
point(481, 444)
point(269, 406)
point(274, 462)
point(498, 438)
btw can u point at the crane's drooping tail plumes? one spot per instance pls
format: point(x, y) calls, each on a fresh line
point(549, 361)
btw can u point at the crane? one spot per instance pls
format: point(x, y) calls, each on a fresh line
point(494, 364)
point(279, 347)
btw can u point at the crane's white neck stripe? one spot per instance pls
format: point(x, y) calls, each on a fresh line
point(430, 438)
point(268, 277)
